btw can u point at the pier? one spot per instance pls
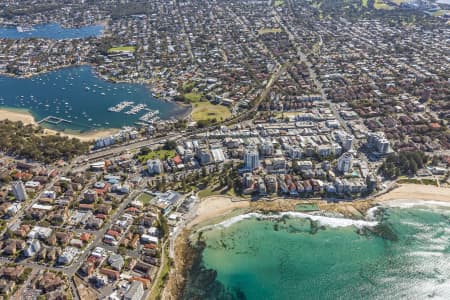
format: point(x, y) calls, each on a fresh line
point(53, 120)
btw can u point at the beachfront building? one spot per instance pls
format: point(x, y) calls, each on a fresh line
point(251, 158)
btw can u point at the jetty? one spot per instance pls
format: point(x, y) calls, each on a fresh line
point(54, 120)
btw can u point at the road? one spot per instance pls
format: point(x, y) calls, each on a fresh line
point(98, 236)
point(303, 58)
point(161, 268)
point(247, 115)
point(18, 216)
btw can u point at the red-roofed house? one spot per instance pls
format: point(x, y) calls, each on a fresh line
point(177, 160)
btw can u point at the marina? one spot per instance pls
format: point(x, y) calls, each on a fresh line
point(71, 98)
point(148, 118)
point(121, 106)
point(135, 109)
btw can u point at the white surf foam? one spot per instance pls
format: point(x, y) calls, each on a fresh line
point(370, 214)
point(404, 203)
point(324, 221)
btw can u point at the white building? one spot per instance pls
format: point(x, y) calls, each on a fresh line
point(378, 142)
point(32, 184)
point(19, 191)
point(154, 166)
point(251, 158)
point(39, 232)
point(49, 194)
point(13, 209)
point(345, 139)
point(345, 162)
point(295, 152)
point(347, 143)
point(67, 256)
point(32, 248)
point(218, 155)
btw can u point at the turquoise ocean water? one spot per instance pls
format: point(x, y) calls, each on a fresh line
point(406, 257)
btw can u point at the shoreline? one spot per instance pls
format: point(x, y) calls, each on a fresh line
point(215, 209)
point(186, 108)
point(26, 118)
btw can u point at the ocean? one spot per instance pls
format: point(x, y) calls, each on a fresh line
point(404, 255)
point(78, 95)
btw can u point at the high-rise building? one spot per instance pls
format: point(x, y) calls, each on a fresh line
point(271, 184)
point(267, 148)
point(19, 191)
point(378, 142)
point(383, 146)
point(154, 166)
point(345, 162)
point(247, 180)
point(204, 156)
point(347, 142)
point(345, 139)
point(251, 158)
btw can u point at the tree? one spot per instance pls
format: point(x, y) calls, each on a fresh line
point(163, 225)
point(144, 150)
point(229, 182)
point(204, 172)
point(170, 145)
point(413, 167)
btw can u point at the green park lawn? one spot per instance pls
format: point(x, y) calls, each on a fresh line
point(157, 154)
point(278, 3)
point(193, 97)
point(380, 4)
point(144, 198)
point(122, 49)
point(208, 111)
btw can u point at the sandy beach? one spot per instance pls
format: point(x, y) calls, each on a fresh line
point(217, 208)
point(416, 192)
point(16, 116)
point(27, 118)
point(85, 137)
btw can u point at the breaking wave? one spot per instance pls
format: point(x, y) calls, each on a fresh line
point(410, 204)
point(322, 220)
